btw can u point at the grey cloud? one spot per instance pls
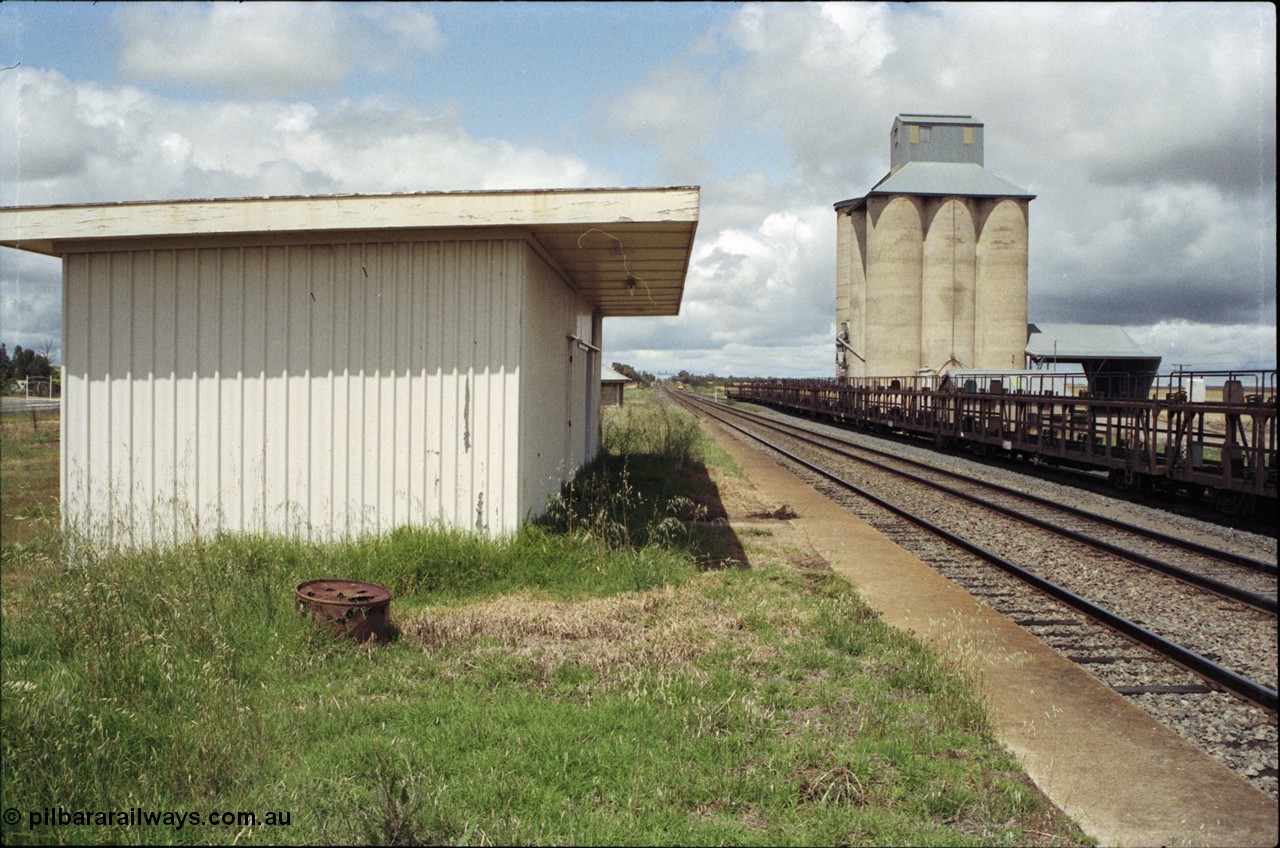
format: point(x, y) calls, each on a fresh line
point(1239, 164)
point(1113, 301)
point(48, 134)
point(30, 302)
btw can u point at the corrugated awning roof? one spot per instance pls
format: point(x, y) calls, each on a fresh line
point(608, 375)
point(1077, 341)
point(626, 250)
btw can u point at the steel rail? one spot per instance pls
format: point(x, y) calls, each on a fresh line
point(1145, 532)
point(1203, 667)
point(1255, 600)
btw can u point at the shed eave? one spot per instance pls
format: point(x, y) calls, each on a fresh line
point(579, 228)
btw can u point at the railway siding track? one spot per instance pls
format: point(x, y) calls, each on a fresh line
point(1225, 642)
point(1149, 441)
point(1235, 576)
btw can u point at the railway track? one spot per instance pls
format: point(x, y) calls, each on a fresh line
point(1246, 579)
point(1128, 603)
point(1166, 452)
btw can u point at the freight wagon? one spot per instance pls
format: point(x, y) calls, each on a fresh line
point(1199, 434)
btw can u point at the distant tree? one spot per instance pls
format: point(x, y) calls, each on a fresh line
point(6, 366)
point(643, 379)
point(40, 366)
point(28, 363)
point(701, 380)
point(625, 370)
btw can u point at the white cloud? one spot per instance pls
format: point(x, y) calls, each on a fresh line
point(412, 27)
point(756, 301)
point(1201, 346)
point(46, 132)
point(270, 48)
point(121, 143)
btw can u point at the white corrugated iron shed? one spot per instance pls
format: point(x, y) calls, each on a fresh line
point(341, 365)
point(611, 385)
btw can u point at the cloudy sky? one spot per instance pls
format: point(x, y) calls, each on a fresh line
point(1147, 132)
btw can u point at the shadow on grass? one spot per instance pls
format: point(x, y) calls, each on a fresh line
point(714, 540)
point(642, 499)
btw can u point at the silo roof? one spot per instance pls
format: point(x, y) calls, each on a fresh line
point(947, 178)
point(915, 118)
point(941, 179)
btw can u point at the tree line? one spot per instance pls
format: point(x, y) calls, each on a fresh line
point(23, 364)
point(702, 380)
point(642, 378)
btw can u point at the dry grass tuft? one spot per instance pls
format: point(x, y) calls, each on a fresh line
point(835, 786)
point(666, 628)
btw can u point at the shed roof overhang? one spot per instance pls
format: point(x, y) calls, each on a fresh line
point(1076, 342)
point(625, 250)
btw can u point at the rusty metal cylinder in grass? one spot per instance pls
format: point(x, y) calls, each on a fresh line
point(350, 608)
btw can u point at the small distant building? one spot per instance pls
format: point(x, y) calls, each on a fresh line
point(1113, 363)
point(329, 367)
point(931, 263)
point(612, 385)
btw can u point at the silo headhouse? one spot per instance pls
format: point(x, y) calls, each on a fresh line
point(931, 265)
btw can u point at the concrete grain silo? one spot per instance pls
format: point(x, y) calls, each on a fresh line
point(931, 265)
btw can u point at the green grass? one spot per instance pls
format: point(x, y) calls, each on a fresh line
point(589, 680)
point(28, 474)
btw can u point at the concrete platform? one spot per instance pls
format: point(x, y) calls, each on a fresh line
point(1123, 777)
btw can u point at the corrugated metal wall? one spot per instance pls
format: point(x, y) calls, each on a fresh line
point(557, 416)
point(323, 391)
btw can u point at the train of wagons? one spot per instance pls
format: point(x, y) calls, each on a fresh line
point(1195, 434)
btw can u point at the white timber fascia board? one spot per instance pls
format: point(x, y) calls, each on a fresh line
point(38, 227)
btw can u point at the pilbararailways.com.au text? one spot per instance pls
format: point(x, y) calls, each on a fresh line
point(139, 817)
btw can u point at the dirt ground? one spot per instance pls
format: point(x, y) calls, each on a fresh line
point(759, 525)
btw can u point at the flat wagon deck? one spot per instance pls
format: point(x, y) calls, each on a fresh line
point(1153, 439)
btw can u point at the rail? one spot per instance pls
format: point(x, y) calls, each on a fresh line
point(1237, 684)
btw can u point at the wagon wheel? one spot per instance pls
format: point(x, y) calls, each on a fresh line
point(1121, 479)
point(1232, 502)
